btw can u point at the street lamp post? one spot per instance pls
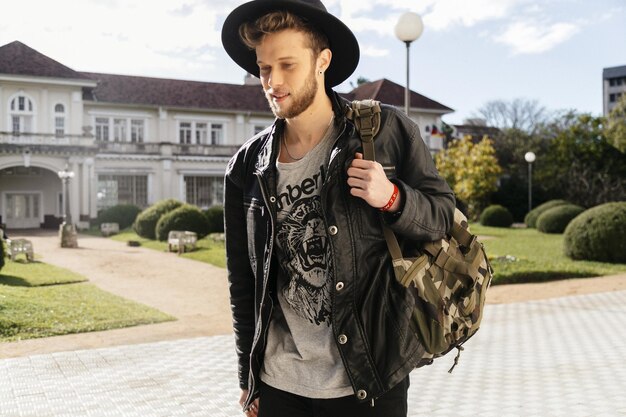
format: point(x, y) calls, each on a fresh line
point(408, 29)
point(530, 158)
point(67, 233)
point(65, 176)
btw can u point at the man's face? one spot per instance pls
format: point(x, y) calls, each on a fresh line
point(287, 71)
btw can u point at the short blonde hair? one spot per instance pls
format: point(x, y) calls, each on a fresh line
point(252, 33)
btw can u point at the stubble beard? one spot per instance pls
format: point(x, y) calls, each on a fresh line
point(300, 100)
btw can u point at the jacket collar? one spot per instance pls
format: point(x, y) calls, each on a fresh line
point(268, 152)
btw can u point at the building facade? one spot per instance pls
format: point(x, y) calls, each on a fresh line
point(126, 139)
point(613, 87)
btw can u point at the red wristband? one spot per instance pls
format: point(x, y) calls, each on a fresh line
point(392, 200)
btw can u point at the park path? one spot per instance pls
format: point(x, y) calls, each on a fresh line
point(194, 292)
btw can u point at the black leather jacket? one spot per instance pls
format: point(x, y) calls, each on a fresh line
point(370, 310)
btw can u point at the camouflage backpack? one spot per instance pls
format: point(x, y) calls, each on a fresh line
point(450, 278)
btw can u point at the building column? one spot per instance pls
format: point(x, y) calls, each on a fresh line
point(43, 114)
point(85, 187)
point(240, 131)
point(93, 190)
point(75, 184)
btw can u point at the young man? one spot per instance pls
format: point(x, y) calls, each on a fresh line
point(322, 326)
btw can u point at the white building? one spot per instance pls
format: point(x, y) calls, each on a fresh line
point(127, 139)
point(613, 87)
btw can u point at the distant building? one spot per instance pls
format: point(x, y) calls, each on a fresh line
point(128, 139)
point(476, 129)
point(423, 110)
point(613, 87)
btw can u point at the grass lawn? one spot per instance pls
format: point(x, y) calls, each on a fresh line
point(537, 257)
point(41, 300)
point(207, 250)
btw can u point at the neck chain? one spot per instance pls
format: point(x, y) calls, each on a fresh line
point(284, 137)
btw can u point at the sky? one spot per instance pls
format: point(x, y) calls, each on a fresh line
point(471, 51)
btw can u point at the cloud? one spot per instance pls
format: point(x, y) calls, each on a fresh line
point(131, 36)
point(531, 38)
point(448, 14)
point(373, 51)
point(380, 16)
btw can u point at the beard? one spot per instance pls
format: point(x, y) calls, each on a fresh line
point(301, 100)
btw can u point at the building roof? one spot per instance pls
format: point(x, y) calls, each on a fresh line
point(476, 132)
point(19, 59)
point(614, 72)
point(389, 92)
point(126, 89)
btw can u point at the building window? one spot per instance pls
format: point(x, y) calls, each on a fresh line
point(136, 131)
point(59, 120)
point(258, 129)
point(202, 133)
point(611, 98)
point(204, 191)
point(119, 130)
point(21, 112)
point(217, 134)
point(185, 132)
point(102, 128)
point(122, 189)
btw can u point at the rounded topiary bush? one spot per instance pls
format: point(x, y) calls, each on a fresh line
point(145, 224)
point(497, 216)
point(556, 219)
point(598, 234)
point(533, 215)
point(215, 219)
point(186, 218)
point(123, 214)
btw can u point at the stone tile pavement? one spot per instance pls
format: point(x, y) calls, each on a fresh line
point(558, 357)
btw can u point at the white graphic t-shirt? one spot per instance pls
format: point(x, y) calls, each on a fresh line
point(301, 356)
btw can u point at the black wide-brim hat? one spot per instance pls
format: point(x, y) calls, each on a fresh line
point(343, 43)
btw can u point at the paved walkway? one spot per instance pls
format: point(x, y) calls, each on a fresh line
point(559, 357)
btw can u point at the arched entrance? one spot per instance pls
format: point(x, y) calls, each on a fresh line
point(30, 197)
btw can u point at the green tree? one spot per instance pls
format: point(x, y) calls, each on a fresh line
point(616, 125)
point(580, 165)
point(472, 171)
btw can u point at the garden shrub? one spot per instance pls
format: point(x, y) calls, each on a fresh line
point(496, 216)
point(215, 219)
point(145, 224)
point(556, 219)
point(122, 214)
point(598, 234)
point(533, 215)
point(185, 217)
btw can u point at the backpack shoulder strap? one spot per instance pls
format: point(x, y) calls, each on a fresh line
point(365, 114)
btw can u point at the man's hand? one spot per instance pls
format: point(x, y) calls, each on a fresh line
point(253, 410)
point(368, 181)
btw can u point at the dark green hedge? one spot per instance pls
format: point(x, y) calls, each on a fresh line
point(496, 216)
point(556, 219)
point(187, 218)
point(145, 224)
point(123, 214)
point(215, 219)
point(533, 215)
point(598, 234)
